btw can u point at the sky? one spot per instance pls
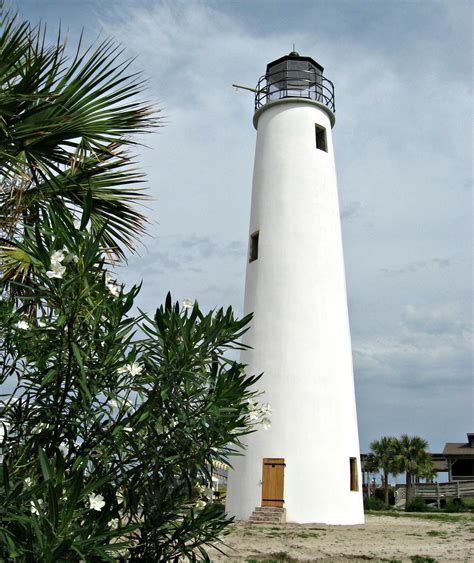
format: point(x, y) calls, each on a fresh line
point(403, 144)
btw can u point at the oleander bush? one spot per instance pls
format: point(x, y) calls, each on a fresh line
point(110, 420)
point(113, 421)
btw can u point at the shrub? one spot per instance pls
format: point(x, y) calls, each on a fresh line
point(374, 504)
point(110, 423)
point(417, 505)
point(380, 494)
point(455, 505)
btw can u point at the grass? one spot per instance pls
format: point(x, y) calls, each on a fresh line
point(436, 534)
point(439, 516)
point(307, 535)
point(280, 556)
point(469, 503)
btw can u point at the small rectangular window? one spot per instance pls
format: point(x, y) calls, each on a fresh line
point(321, 141)
point(253, 253)
point(354, 479)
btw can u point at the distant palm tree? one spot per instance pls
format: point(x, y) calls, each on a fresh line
point(66, 124)
point(411, 456)
point(384, 451)
point(371, 466)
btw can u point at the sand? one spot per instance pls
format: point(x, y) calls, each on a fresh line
point(381, 538)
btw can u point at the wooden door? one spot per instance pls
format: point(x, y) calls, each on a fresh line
point(273, 478)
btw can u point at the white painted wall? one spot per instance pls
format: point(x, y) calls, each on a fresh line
point(300, 332)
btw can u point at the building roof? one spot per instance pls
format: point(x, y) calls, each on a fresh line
point(458, 449)
point(293, 56)
point(440, 465)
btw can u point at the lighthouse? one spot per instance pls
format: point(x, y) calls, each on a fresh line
point(306, 466)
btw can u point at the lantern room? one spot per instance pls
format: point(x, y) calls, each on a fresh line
point(294, 76)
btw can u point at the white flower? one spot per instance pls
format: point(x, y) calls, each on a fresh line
point(96, 502)
point(199, 489)
point(114, 404)
point(74, 258)
point(266, 424)
point(4, 427)
point(120, 497)
point(34, 509)
point(63, 448)
point(113, 524)
point(28, 481)
point(41, 324)
point(39, 428)
point(57, 257)
point(259, 414)
point(187, 304)
point(133, 369)
point(22, 325)
point(112, 286)
point(57, 271)
point(114, 289)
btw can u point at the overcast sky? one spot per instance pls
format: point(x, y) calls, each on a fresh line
point(403, 73)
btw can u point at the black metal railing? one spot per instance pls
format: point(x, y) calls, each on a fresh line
point(294, 84)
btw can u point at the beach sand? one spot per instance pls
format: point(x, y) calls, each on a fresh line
point(381, 538)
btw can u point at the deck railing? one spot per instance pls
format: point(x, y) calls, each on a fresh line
point(439, 491)
point(454, 489)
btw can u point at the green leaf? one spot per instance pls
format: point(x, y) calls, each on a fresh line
point(82, 378)
point(53, 504)
point(5, 477)
point(45, 465)
point(87, 209)
point(168, 302)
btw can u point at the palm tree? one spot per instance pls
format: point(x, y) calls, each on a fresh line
point(411, 456)
point(371, 465)
point(384, 451)
point(66, 128)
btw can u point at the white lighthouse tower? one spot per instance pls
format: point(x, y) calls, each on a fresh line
point(308, 462)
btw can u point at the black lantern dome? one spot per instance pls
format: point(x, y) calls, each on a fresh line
point(294, 76)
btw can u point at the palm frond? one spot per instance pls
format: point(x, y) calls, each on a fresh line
point(64, 126)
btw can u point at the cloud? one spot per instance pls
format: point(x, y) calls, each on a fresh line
point(449, 319)
point(412, 267)
point(183, 253)
point(432, 346)
point(351, 210)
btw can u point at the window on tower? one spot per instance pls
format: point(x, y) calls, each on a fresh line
point(253, 251)
point(354, 480)
point(321, 141)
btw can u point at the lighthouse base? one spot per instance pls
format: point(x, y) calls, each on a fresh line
point(312, 492)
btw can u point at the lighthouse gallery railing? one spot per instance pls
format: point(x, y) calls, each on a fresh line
point(297, 83)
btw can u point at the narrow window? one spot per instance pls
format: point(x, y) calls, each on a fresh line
point(321, 141)
point(253, 254)
point(354, 480)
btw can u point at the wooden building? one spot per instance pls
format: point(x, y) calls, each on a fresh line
point(457, 460)
point(460, 459)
